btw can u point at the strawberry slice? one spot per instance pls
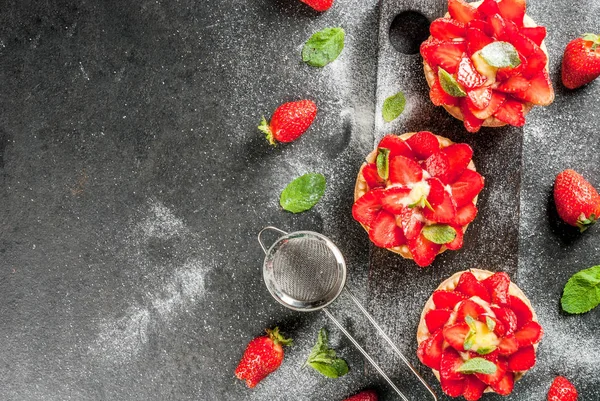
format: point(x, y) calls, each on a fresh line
point(522, 360)
point(404, 171)
point(467, 187)
point(524, 45)
point(468, 76)
point(444, 212)
point(439, 97)
point(446, 299)
point(539, 91)
point(443, 54)
point(437, 165)
point(482, 25)
point(529, 334)
point(474, 388)
point(392, 198)
point(462, 11)
point(504, 73)
point(508, 345)
point(465, 215)
point(410, 222)
point(495, 103)
point(458, 241)
point(514, 84)
point(385, 233)
point(424, 143)
point(372, 177)
point(453, 388)
point(450, 363)
point(513, 10)
point(455, 335)
point(507, 317)
point(430, 350)
point(469, 308)
point(536, 34)
point(479, 99)
point(536, 63)
point(468, 285)
point(396, 146)
point(459, 156)
point(436, 191)
point(489, 7)
point(422, 250)
point(471, 123)
point(521, 310)
point(511, 112)
point(447, 29)
point(498, 26)
point(477, 39)
point(497, 285)
point(505, 385)
point(494, 378)
point(366, 208)
point(436, 319)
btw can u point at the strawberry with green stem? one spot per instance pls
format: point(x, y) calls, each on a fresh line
point(289, 121)
point(577, 201)
point(581, 61)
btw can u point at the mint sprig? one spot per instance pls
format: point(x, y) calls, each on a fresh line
point(439, 233)
point(303, 193)
point(501, 54)
point(393, 106)
point(478, 365)
point(324, 359)
point(582, 291)
point(383, 163)
point(323, 47)
point(449, 84)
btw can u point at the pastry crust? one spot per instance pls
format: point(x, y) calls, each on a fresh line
point(491, 121)
point(361, 188)
point(449, 285)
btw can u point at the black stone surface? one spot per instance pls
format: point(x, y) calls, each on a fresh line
point(133, 183)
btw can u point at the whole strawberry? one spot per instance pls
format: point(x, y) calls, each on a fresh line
point(319, 5)
point(577, 201)
point(263, 356)
point(289, 121)
point(581, 61)
point(367, 395)
point(562, 390)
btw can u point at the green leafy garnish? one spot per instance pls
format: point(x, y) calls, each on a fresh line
point(449, 84)
point(501, 54)
point(478, 365)
point(303, 193)
point(324, 360)
point(439, 233)
point(582, 291)
point(491, 323)
point(486, 350)
point(383, 163)
point(469, 340)
point(323, 47)
point(393, 106)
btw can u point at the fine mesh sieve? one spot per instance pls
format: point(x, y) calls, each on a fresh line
point(305, 271)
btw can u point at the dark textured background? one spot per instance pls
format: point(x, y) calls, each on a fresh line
point(133, 182)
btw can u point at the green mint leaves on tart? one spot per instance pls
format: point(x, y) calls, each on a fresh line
point(478, 365)
point(323, 47)
point(582, 291)
point(439, 233)
point(393, 106)
point(501, 54)
point(324, 360)
point(383, 163)
point(449, 84)
point(491, 324)
point(303, 193)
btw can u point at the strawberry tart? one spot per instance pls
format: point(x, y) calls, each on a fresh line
point(486, 63)
point(416, 194)
point(478, 333)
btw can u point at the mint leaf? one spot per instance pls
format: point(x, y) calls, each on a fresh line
point(383, 163)
point(324, 360)
point(491, 323)
point(439, 233)
point(449, 84)
point(303, 193)
point(323, 47)
point(471, 322)
point(582, 291)
point(486, 350)
point(501, 54)
point(469, 340)
point(333, 370)
point(478, 365)
point(393, 106)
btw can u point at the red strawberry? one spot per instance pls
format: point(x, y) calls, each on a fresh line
point(459, 155)
point(482, 25)
point(529, 334)
point(522, 360)
point(497, 285)
point(391, 199)
point(366, 395)
point(455, 335)
point(508, 345)
point(437, 165)
point(476, 40)
point(366, 208)
point(577, 201)
point(436, 191)
point(506, 72)
point(521, 310)
point(289, 121)
point(498, 26)
point(443, 54)
point(536, 34)
point(536, 63)
point(479, 99)
point(562, 390)
point(439, 97)
point(539, 90)
point(262, 356)
point(489, 7)
point(410, 222)
point(444, 212)
point(385, 233)
point(514, 84)
point(423, 144)
point(505, 385)
point(494, 378)
point(462, 11)
point(467, 187)
point(499, 328)
point(495, 103)
point(513, 10)
point(436, 319)
point(469, 308)
point(524, 45)
point(581, 61)
point(511, 112)
point(404, 171)
point(453, 388)
point(474, 388)
point(450, 363)
point(396, 146)
point(430, 350)
point(446, 299)
point(458, 241)
point(471, 123)
point(372, 177)
point(447, 29)
point(423, 251)
point(465, 215)
point(319, 5)
point(468, 76)
point(507, 317)
point(468, 285)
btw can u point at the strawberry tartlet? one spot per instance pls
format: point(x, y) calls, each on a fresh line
point(486, 63)
point(416, 195)
point(478, 333)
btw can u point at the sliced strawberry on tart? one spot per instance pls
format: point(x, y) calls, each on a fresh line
point(478, 333)
point(486, 63)
point(416, 195)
